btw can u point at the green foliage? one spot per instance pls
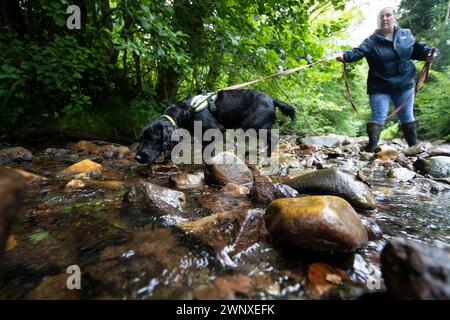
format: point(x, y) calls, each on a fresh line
point(429, 21)
point(432, 106)
point(132, 58)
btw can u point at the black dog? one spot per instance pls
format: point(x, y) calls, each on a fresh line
point(245, 109)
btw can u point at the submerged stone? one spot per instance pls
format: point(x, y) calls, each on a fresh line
point(228, 233)
point(186, 180)
point(155, 198)
point(226, 168)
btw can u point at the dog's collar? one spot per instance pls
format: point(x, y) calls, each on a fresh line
point(170, 119)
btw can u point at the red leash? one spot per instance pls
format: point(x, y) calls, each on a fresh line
point(423, 78)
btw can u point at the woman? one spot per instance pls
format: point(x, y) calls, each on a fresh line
point(391, 74)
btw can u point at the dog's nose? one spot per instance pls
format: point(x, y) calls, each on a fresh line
point(138, 158)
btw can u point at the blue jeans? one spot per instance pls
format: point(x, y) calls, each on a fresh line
point(379, 102)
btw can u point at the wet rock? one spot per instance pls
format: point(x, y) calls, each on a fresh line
point(74, 184)
point(374, 231)
point(12, 192)
point(386, 153)
point(421, 147)
point(134, 147)
point(108, 151)
point(89, 233)
point(84, 146)
point(231, 284)
point(41, 258)
point(127, 277)
point(402, 174)
point(53, 288)
point(235, 190)
point(438, 167)
point(28, 175)
point(335, 182)
point(286, 190)
point(293, 173)
point(413, 270)
point(228, 233)
point(366, 156)
point(430, 185)
point(93, 174)
point(17, 154)
point(317, 223)
point(11, 243)
point(349, 165)
point(323, 277)
point(406, 162)
point(308, 149)
point(230, 198)
point(353, 149)
point(84, 166)
point(327, 141)
point(155, 199)
point(443, 180)
point(111, 184)
point(165, 169)
point(441, 150)
point(264, 190)
point(271, 167)
point(225, 168)
point(123, 153)
point(57, 152)
point(152, 243)
point(334, 153)
point(186, 180)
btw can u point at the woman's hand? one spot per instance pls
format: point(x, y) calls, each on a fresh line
point(431, 58)
point(340, 57)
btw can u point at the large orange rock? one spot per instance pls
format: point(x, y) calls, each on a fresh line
point(84, 166)
point(316, 223)
point(84, 146)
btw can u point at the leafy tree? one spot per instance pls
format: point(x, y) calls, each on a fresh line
point(429, 21)
point(132, 58)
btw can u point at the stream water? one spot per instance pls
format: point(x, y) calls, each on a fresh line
point(125, 253)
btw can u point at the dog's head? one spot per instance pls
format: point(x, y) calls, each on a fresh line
point(155, 139)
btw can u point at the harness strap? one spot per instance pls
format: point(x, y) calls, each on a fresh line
point(200, 102)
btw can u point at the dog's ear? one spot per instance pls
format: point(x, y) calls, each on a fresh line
point(167, 144)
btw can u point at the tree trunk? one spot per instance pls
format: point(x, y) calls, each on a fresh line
point(214, 71)
point(137, 65)
point(447, 16)
point(167, 87)
point(11, 16)
point(106, 20)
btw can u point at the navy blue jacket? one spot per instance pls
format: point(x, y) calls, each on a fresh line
point(390, 65)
